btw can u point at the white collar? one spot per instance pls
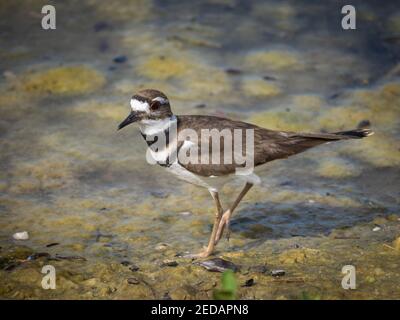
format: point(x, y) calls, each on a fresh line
point(152, 127)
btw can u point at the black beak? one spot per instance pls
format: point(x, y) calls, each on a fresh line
point(133, 117)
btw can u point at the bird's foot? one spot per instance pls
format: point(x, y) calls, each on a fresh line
point(203, 254)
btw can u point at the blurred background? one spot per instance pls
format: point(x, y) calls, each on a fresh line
point(83, 190)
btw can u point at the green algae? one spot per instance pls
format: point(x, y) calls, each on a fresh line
point(123, 10)
point(71, 80)
point(272, 60)
point(164, 68)
point(195, 78)
point(375, 265)
point(260, 88)
point(337, 168)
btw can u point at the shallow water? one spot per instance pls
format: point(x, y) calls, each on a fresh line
point(68, 177)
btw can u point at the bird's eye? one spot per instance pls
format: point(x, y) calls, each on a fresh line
point(155, 105)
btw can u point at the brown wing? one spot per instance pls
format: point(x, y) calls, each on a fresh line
point(268, 144)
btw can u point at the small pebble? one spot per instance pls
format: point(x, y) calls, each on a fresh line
point(52, 244)
point(376, 229)
point(278, 273)
point(334, 96)
point(269, 78)
point(21, 235)
point(249, 283)
point(364, 124)
point(100, 26)
point(185, 213)
point(133, 280)
point(120, 59)
point(169, 263)
point(233, 71)
point(166, 296)
point(134, 267)
point(161, 246)
point(159, 194)
point(9, 75)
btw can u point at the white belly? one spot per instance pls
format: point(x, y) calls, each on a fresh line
point(212, 183)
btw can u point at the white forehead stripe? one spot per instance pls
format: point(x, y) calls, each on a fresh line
point(161, 100)
point(139, 106)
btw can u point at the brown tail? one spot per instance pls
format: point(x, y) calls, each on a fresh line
point(341, 135)
point(299, 142)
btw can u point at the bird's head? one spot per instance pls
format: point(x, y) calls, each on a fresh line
point(148, 104)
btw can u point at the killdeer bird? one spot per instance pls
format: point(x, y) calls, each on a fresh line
point(161, 128)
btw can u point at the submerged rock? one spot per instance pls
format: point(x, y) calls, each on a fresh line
point(218, 265)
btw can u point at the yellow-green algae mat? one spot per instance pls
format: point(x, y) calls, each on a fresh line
point(313, 270)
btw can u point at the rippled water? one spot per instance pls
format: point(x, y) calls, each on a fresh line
point(67, 176)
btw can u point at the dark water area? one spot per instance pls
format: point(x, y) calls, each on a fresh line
point(67, 176)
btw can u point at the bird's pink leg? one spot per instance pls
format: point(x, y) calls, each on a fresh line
point(212, 242)
point(225, 219)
